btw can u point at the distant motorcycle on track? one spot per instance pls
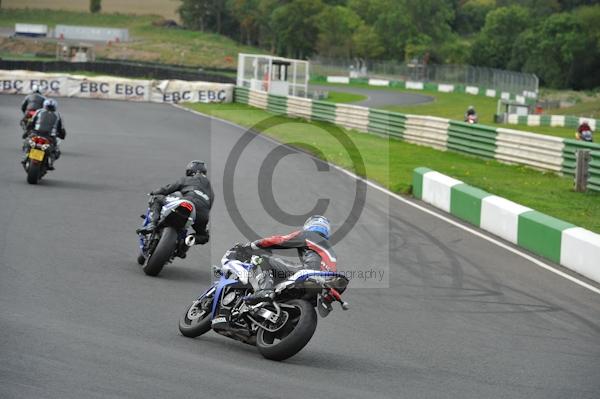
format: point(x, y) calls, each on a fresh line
point(170, 238)
point(279, 329)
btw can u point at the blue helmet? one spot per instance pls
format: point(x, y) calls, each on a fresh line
point(319, 224)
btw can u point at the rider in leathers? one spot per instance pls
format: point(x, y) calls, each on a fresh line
point(194, 187)
point(47, 123)
point(312, 245)
point(32, 102)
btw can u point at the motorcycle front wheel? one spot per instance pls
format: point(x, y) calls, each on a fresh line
point(162, 253)
point(293, 336)
point(196, 320)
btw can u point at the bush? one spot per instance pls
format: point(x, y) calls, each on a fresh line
point(95, 6)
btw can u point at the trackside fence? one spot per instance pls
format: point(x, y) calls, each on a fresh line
point(505, 145)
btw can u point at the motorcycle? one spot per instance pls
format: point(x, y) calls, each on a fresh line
point(585, 135)
point(472, 119)
point(279, 329)
point(37, 157)
point(170, 238)
point(25, 121)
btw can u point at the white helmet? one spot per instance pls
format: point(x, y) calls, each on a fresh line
point(35, 89)
point(50, 104)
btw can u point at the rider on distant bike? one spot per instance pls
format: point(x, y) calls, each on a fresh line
point(194, 187)
point(48, 123)
point(31, 104)
point(314, 251)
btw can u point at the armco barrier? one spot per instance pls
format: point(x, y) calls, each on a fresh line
point(561, 242)
point(105, 87)
point(505, 145)
point(386, 123)
point(522, 98)
point(552, 120)
point(323, 111)
point(472, 139)
point(425, 130)
point(536, 150)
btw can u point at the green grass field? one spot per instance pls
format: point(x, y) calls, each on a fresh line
point(340, 97)
point(165, 8)
point(454, 105)
point(391, 162)
point(591, 109)
point(150, 43)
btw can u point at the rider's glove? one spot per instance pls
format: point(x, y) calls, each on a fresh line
point(256, 260)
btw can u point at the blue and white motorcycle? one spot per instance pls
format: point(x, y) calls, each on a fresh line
point(170, 238)
point(279, 329)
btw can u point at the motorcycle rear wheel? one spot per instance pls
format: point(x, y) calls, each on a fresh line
point(34, 172)
point(293, 336)
point(162, 253)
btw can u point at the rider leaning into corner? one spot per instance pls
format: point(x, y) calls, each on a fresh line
point(48, 123)
point(194, 187)
point(313, 247)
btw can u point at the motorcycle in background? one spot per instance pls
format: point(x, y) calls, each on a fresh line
point(472, 119)
point(279, 329)
point(170, 238)
point(26, 120)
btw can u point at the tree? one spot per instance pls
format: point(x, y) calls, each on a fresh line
point(295, 24)
point(587, 61)
point(470, 16)
point(95, 6)
point(411, 28)
point(551, 49)
point(204, 15)
point(537, 8)
point(336, 28)
point(366, 43)
point(493, 45)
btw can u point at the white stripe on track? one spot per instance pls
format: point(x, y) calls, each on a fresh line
point(419, 207)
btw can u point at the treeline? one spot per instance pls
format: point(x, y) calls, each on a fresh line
point(559, 40)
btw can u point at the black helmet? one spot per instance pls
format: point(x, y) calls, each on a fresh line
point(195, 167)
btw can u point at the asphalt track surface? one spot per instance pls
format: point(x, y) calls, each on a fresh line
point(377, 98)
point(462, 317)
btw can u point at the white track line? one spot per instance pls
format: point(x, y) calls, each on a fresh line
point(421, 208)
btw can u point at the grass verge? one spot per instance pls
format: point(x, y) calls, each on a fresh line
point(545, 192)
point(150, 42)
point(340, 97)
point(454, 105)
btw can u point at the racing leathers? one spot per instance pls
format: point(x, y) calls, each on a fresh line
point(30, 104)
point(34, 101)
point(196, 189)
point(314, 250)
point(48, 124)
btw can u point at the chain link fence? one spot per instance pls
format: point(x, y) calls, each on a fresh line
point(509, 81)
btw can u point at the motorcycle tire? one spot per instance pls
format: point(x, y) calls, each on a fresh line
point(285, 343)
point(191, 326)
point(162, 253)
point(34, 172)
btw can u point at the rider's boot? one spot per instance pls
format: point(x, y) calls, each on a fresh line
point(154, 216)
point(51, 161)
point(262, 283)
